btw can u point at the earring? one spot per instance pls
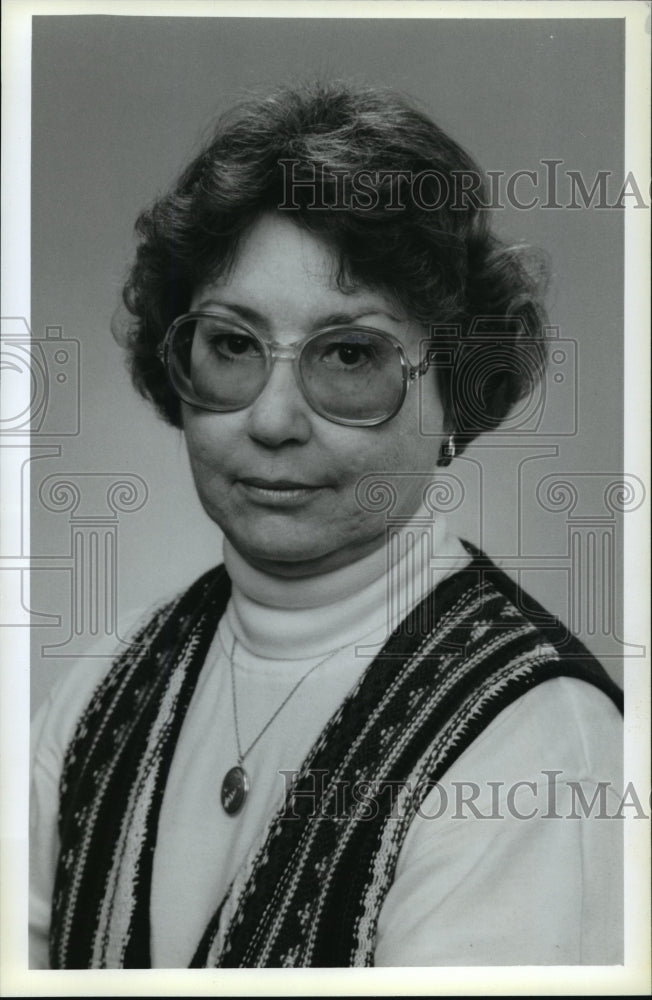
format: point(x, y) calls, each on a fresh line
point(447, 451)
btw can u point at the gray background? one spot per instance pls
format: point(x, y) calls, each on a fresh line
point(118, 106)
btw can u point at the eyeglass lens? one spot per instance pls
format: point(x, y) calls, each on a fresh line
point(348, 374)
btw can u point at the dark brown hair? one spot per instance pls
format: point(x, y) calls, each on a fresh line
point(380, 182)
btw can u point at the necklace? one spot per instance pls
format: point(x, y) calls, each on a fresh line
point(236, 783)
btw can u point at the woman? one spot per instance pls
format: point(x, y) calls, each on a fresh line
point(266, 778)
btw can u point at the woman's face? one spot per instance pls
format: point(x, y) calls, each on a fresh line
point(276, 477)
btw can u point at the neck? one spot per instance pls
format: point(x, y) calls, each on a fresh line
point(278, 616)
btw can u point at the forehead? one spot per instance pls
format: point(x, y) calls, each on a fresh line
point(283, 271)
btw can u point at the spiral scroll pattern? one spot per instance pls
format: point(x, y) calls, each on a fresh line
point(444, 494)
point(59, 495)
point(376, 494)
point(127, 495)
point(624, 495)
point(557, 494)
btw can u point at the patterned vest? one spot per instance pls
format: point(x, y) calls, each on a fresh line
point(312, 893)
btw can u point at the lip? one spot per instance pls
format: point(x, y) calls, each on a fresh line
point(277, 484)
point(278, 492)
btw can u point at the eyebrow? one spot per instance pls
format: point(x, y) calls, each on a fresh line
point(244, 312)
point(331, 319)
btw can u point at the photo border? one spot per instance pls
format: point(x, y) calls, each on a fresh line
point(633, 977)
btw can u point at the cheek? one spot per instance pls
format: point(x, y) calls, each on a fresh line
point(209, 439)
point(201, 449)
point(392, 468)
point(407, 447)
point(208, 457)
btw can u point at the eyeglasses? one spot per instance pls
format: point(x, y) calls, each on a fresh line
point(349, 375)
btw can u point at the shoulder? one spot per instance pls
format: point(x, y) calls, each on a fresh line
point(501, 623)
point(80, 693)
point(564, 725)
point(54, 722)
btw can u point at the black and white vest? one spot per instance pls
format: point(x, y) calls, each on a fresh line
point(312, 894)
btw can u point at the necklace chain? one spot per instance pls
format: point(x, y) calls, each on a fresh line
point(241, 755)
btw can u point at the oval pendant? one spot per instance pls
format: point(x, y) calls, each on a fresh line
point(235, 789)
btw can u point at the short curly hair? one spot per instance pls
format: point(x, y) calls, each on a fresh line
point(333, 158)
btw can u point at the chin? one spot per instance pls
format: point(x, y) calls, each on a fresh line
point(286, 550)
point(289, 558)
point(291, 555)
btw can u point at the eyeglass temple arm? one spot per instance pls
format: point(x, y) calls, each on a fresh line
point(416, 371)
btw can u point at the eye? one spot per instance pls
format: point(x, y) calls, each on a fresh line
point(229, 344)
point(351, 354)
point(347, 352)
point(235, 344)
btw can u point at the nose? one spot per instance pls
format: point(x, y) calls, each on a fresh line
point(280, 414)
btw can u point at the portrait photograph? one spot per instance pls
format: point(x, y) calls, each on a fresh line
point(325, 463)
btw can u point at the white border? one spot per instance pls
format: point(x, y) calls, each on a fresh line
point(15, 980)
point(636, 456)
point(14, 642)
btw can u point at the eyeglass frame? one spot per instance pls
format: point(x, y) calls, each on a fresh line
point(274, 351)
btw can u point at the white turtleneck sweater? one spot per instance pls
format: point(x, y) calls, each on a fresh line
point(478, 885)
